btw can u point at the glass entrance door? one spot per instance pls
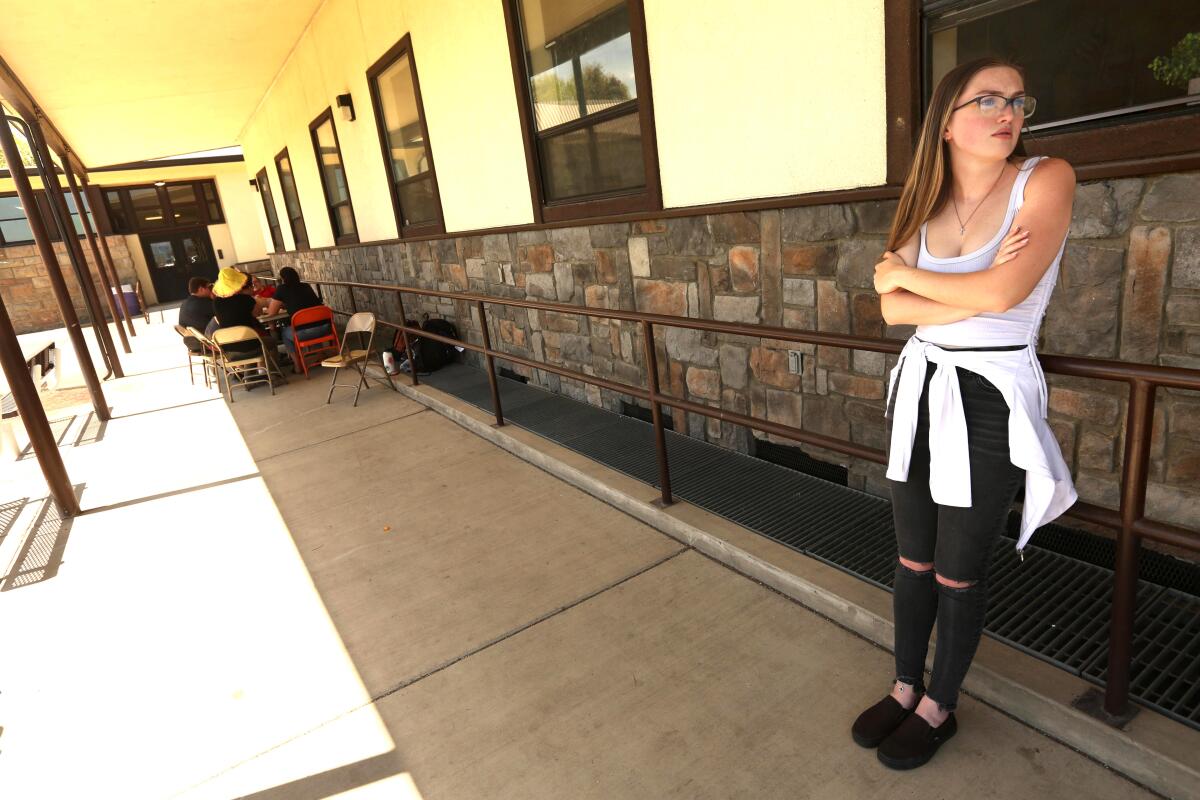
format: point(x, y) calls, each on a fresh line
point(175, 258)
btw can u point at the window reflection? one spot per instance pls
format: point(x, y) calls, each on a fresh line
point(185, 206)
point(147, 210)
point(579, 59)
point(333, 176)
point(1082, 57)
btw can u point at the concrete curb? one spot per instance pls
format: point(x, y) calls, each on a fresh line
point(1123, 754)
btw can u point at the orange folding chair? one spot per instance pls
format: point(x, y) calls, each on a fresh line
point(311, 351)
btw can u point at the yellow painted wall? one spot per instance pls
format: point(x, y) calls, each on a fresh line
point(461, 53)
point(753, 99)
point(759, 98)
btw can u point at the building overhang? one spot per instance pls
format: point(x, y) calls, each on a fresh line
point(124, 81)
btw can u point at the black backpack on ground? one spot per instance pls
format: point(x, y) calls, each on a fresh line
point(429, 354)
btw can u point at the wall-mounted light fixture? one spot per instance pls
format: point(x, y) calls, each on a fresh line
point(254, 184)
point(346, 104)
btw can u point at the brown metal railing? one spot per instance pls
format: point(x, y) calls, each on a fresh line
point(1129, 521)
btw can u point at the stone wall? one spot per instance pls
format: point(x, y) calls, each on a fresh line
point(26, 291)
point(1129, 288)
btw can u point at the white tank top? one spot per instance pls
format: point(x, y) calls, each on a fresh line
point(1018, 325)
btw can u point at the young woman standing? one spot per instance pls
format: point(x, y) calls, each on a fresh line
point(971, 260)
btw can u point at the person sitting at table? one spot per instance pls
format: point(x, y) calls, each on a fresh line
point(295, 295)
point(262, 288)
point(234, 304)
point(196, 310)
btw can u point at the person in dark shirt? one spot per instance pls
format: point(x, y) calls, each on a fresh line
point(295, 295)
point(234, 304)
point(196, 310)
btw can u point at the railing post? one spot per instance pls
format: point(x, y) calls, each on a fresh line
point(660, 436)
point(1138, 429)
point(491, 363)
point(412, 364)
point(353, 301)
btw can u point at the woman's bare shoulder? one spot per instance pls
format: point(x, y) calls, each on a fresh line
point(1052, 176)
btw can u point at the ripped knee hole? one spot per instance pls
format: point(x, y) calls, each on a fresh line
point(916, 566)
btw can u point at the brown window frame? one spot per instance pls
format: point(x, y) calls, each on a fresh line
point(164, 200)
point(265, 194)
point(373, 72)
point(1118, 149)
point(280, 156)
point(43, 202)
point(650, 198)
point(327, 115)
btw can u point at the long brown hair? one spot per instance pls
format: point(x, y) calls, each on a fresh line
point(928, 185)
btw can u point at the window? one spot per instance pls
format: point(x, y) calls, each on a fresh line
point(116, 212)
point(150, 207)
point(14, 228)
point(291, 200)
point(333, 179)
point(215, 217)
point(14, 225)
point(584, 86)
point(75, 219)
point(185, 206)
point(1088, 62)
point(400, 119)
point(147, 208)
point(264, 190)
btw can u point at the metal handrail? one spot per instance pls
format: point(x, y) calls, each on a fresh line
point(1129, 521)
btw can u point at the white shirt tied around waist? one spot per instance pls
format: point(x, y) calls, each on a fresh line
point(1031, 444)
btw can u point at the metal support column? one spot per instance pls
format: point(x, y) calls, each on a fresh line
point(33, 415)
point(112, 270)
point(41, 238)
point(104, 279)
point(62, 214)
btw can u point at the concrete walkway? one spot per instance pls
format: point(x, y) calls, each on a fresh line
point(283, 599)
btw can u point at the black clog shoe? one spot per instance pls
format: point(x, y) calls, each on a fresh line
point(914, 742)
point(877, 722)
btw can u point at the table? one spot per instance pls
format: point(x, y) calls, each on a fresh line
point(274, 323)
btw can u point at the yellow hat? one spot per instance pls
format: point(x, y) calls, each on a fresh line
point(229, 282)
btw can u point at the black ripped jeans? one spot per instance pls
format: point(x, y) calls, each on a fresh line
point(957, 541)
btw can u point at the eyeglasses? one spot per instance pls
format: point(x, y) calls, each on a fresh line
point(992, 104)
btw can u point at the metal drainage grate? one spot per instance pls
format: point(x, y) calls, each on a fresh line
point(795, 458)
point(1054, 606)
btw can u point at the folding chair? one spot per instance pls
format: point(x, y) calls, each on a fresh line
point(363, 324)
point(193, 356)
point(249, 365)
point(141, 298)
point(209, 356)
point(318, 346)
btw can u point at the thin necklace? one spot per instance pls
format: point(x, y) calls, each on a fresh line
point(962, 226)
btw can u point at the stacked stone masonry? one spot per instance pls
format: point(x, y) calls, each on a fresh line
point(1129, 289)
point(26, 289)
